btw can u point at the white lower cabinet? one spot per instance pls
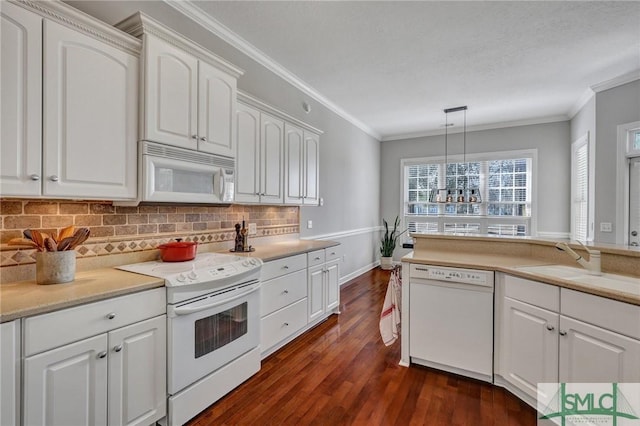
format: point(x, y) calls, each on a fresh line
point(324, 285)
point(10, 373)
point(550, 335)
point(117, 377)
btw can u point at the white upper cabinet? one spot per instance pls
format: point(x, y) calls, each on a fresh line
point(171, 95)
point(189, 93)
point(216, 111)
point(21, 114)
point(277, 156)
point(69, 105)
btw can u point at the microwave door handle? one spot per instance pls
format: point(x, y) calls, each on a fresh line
point(185, 310)
point(221, 185)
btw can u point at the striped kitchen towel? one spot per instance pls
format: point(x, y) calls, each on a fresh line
point(390, 315)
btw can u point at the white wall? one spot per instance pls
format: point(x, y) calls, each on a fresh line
point(349, 158)
point(554, 159)
point(615, 106)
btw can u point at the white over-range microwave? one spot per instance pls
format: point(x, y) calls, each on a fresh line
point(172, 174)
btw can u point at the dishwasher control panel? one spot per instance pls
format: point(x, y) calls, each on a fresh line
point(457, 275)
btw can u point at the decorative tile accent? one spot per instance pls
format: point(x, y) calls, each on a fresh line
point(136, 228)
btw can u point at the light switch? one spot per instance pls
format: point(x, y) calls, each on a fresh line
point(253, 229)
point(606, 227)
point(309, 224)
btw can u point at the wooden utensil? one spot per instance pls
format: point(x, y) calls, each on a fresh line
point(79, 237)
point(38, 239)
point(50, 244)
point(65, 243)
point(21, 242)
point(65, 232)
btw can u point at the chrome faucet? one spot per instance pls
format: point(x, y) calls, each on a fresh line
point(592, 265)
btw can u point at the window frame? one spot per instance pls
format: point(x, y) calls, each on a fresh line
point(584, 141)
point(483, 219)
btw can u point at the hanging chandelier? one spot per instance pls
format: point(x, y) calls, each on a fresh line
point(456, 193)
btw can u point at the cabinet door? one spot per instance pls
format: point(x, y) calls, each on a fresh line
point(529, 351)
point(67, 385)
point(21, 104)
point(137, 379)
point(333, 285)
point(293, 164)
point(171, 94)
point(311, 168)
point(248, 155)
point(592, 354)
point(216, 111)
point(271, 147)
point(316, 292)
point(90, 116)
point(10, 373)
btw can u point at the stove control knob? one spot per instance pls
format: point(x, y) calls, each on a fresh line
point(192, 275)
point(254, 262)
point(181, 278)
point(245, 263)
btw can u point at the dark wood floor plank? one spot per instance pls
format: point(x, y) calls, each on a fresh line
point(340, 373)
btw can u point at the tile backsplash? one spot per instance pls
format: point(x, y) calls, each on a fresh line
point(116, 229)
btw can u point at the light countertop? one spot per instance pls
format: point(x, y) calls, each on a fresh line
point(26, 298)
point(509, 264)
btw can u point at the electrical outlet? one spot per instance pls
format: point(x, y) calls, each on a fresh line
point(606, 227)
point(253, 229)
point(309, 224)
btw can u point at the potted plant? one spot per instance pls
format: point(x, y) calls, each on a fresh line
point(388, 243)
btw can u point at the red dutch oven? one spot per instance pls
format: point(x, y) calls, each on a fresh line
point(178, 251)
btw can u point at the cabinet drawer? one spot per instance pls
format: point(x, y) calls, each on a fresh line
point(282, 324)
point(315, 258)
point(620, 317)
point(332, 253)
point(535, 293)
point(282, 291)
point(58, 328)
point(283, 266)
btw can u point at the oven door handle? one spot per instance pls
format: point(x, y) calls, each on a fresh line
point(186, 310)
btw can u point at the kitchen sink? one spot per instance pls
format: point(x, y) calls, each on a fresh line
point(608, 281)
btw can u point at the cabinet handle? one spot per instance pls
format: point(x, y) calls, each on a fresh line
point(194, 137)
point(111, 315)
point(35, 177)
point(101, 355)
point(333, 253)
point(286, 324)
point(550, 327)
point(203, 139)
point(117, 348)
point(54, 178)
point(317, 258)
point(286, 292)
point(285, 267)
point(562, 333)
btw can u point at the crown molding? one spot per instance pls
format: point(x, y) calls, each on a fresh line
point(218, 29)
point(581, 102)
point(140, 24)
point(480, 127)
point(80, 21)
point(617, 81)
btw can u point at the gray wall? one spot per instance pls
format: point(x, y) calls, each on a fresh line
point(615, 106)
point(349, 158)
point(584, 121)
point(554, 159)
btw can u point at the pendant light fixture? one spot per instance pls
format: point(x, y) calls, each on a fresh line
point(455, 194)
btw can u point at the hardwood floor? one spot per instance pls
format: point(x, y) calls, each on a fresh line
point(340, 373)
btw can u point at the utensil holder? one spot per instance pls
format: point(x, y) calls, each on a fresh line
point(55, 267)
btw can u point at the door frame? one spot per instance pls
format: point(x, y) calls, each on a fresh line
point(623, 154)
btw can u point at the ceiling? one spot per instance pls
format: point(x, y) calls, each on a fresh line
point(391, 67)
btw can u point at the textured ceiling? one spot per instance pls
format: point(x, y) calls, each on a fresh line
point(395, 65)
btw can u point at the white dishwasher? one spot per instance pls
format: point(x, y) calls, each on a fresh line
point(451, 320)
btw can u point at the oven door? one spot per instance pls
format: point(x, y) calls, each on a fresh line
point(207, 332)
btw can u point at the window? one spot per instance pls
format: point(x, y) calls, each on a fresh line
point(581, 210)
point(501, 182)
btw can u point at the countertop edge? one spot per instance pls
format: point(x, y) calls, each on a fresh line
point(609, 294)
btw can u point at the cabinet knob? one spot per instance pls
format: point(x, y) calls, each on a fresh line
point(285, 267)
point(286, 292)
point(54, 178)
point(286, 324)
point(195, 137)
point(117, 348)
point(203, 139)
point(101, 355)
point(550, 327)
point(111, 315)
point(316, 258)
point(562, 333)
point(35, 177)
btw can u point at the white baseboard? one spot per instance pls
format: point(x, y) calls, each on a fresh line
point(359, 272)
